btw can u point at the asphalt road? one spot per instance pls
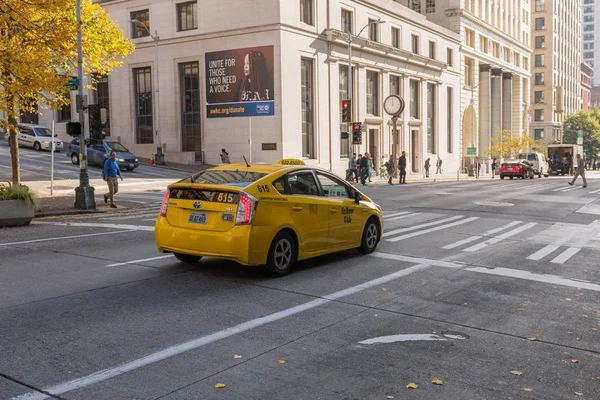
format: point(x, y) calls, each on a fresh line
point(492, 287)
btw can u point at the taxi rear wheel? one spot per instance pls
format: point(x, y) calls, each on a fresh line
point(187, 258)
point(370, 237)
point(282, 254)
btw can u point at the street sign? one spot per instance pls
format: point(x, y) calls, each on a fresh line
point(579, 140)
point(73, 83)
point(471, 151)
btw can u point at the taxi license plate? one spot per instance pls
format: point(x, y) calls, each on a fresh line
point(197, 218)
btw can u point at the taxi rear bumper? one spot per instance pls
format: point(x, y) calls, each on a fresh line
point(245, 244)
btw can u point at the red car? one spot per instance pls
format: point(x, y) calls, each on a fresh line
point(519, 168)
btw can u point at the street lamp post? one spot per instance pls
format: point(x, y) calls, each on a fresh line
point(84, 194)
point(350, 76)
point(159, 157)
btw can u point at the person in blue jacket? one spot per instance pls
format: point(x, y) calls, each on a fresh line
point(112, 173)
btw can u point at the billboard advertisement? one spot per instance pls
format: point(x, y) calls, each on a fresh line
point(239, 83)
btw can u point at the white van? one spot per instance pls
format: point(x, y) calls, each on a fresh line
point(538, 161)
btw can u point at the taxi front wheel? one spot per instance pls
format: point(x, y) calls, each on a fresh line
point(282, 254)
point(186, 258)
point(370, 237)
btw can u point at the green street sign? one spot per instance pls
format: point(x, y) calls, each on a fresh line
point(579, 133)
point(73, 83)
point(471, 151)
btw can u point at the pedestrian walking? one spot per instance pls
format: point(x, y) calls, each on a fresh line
point(494, 166)
point(364, 169)
point(352, 175)
point(358, 170)
point(438, 165)
point(371, 167)
point(427, 165)
point(111, 173)
point(402, 166)
point(390, 167)
point(580, 170)
point(225, 157)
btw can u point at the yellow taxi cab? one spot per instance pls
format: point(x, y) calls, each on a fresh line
point(265, 214)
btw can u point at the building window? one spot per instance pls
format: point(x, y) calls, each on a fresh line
point(396, 38)
point(449, 101)
point(137, 30)
point(414, 41)
point(588, 46)
point(525, 62)
point(540, 42)
point(449, 57)
point(187, 16)
point(431, 111)
point(540, 23)
point(588, 9)
point(539, 5)
point(395, 85)
point(143, 105)
point(373, 30)
point(588, 54)
point(372, 93)
point(538, 133)
point(470, 38)
point(343, 93)
point(308, 111)
point(101, 94)
point(588, 28)
point(588, 36)
point(189, 87)
point(347, 25)
point(432, 50)
point(306, 11)
point(414, 99)
point(429, 6)
point(538, 96)
point(539, 60)
point(64, 114)
point(415, 5)
point(538, 115)
point(588, 18)
point(588, 1)
point(469, 71)
point(539, 78)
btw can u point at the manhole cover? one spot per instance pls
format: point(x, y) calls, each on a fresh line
point(493, 204)
point(61, 187)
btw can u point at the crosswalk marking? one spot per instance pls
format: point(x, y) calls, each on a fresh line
point(595, 191)
point(543, 252)
point(565, 255)
point(573, 188)
point(396, 214)
point(474, 238)
point(436, 228)
point(499, 238)
point(402, 217)
point(412, 228)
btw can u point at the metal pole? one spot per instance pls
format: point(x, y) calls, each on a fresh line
point(350, 88)
point(52, 162)
point(250, 138)
point(160, 157)
point(84, 194)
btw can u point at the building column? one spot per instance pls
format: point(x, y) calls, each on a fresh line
point(485, 126)
point(507, 100)
point(496, 104)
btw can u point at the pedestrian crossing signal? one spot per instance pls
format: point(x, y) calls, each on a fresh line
point(357, 133)
point(346, 110)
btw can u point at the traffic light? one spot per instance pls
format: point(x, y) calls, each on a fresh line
point(357, 133)
point(346, 110)
point(95, 123)
point(73, 128)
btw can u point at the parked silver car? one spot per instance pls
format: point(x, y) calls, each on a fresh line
point(37, 137)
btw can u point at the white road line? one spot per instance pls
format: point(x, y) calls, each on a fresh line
point(402, 217)
point(562, 189)
point(132, 216)
point(437, 228)
point(552, 279)
point(412, 228)
point(418, 260)
point(565, 255)
point(488, 233)
point(499, 238)
point(573, 188)
point(543, 252)
point(160, 355)
point(139, 261)
point(595, 191)
point(395, 214)
point(92, 225)
point(64, 237)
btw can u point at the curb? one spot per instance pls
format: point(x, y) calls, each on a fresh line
point(179, 169)
point(58, 213)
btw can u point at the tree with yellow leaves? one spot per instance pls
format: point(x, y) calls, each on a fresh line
point(504, 145)
point(38, 50)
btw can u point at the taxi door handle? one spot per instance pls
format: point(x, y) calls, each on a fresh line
point(333, 210)
point(297, 208)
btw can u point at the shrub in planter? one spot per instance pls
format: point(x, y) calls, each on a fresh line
point(17, 205)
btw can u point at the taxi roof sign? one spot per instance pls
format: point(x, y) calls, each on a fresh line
point(290, 161)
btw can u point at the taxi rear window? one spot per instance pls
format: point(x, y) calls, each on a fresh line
point(227, 177)
point(214, 196)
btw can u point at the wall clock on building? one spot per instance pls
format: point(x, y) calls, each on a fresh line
point(393, 105)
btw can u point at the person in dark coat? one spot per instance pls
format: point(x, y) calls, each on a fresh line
point(364, 169)
point(427, 165)
point(402, 166)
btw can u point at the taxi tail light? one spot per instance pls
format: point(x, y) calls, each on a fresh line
point(165, 204)
point(246, 209)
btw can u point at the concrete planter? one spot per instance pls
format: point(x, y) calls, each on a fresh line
point(15, 213)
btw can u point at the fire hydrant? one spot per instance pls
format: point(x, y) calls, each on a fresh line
point(152, 160)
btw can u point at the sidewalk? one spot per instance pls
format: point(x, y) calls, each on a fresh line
point(176, 167)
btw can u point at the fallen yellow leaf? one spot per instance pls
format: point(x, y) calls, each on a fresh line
point(515, 372)
point(220, 385)
point(528, 389)
point(436, 381)
point(237, 356)
point(575, 361)
point(281, 361)
point(412, 386)
point(538, 335)
point(520, 309)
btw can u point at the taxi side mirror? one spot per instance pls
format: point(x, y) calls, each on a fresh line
point(357, 197)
